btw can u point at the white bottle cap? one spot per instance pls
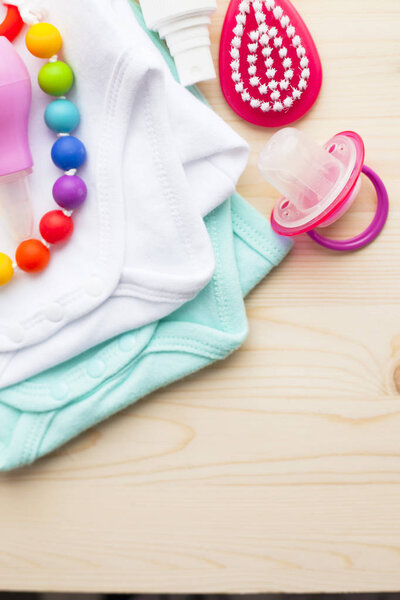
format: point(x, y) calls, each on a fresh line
point(184, 26)
point(188, 40)
point(194, 65)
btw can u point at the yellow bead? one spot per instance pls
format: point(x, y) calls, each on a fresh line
point(43, 40)
point(6, 269)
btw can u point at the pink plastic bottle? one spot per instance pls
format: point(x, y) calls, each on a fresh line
point(15, 156)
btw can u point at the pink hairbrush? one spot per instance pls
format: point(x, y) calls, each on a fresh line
point(269, 66)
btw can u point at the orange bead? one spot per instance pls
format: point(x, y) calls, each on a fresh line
point(32, 256)
point(43, 40)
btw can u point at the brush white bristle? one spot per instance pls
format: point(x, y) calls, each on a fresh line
point(296, 41)
point(302, 84)
point(290, 30)
point(238, 30)
point(268, 40)
point(260, 17)
point(236, 42)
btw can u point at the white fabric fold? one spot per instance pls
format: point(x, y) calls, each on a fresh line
point(158, 161)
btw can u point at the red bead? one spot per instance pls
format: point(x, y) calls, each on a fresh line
point(32, 256)
point(56, 227)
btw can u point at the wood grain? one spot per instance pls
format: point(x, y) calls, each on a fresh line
point(279, 469)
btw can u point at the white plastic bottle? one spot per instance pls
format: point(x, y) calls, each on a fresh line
point(16, 209)
point(184, 26)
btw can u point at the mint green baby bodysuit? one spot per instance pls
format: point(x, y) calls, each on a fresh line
point(46, 411)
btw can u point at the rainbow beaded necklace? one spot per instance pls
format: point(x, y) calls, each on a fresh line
point(68, 153)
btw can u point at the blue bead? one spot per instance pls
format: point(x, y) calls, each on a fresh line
point(68, 153)
point(62, 116)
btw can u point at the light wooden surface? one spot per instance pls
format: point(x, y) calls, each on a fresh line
point(280, 468)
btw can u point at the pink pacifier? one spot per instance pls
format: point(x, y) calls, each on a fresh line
point(319, 184)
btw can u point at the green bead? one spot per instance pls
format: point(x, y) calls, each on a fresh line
point(56, 78)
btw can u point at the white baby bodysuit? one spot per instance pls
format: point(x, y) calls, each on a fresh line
point(158, 160)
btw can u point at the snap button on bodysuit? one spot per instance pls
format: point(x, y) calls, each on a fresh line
point(54, 312)
point(96, 368)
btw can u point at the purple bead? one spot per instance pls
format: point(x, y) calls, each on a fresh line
point(69, 191)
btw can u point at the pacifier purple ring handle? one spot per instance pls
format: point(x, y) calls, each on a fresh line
point(372, 231)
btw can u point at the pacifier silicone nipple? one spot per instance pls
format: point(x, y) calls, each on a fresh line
point(304, 173)
point(318, 184)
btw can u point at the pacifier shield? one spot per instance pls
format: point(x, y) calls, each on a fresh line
point(270, 70)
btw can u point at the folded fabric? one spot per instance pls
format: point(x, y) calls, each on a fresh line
point(46, 411)
point(140, 248)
